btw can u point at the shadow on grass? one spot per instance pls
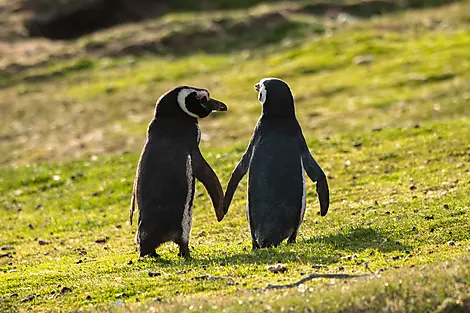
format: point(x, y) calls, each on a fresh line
point(359, 239)
point(352, 241)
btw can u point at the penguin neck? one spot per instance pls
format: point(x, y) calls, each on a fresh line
point(279, 111)
point(161, 114)
point(171, 124)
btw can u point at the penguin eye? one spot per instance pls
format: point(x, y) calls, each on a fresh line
point(202, 96)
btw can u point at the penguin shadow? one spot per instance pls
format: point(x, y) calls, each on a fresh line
point(359, 239)
point(281, 254)
point(154, 260)
point(349, 241)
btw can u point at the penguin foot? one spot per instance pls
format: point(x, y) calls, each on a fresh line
point(184, 252)
point(152, 255)
point(254, 245)
point(185, 255)
point(292, 239)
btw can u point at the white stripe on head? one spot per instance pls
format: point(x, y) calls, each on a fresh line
point(182, 100)
point(262, 90)
point(262, 94)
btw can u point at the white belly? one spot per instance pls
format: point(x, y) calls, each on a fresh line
point(187, 214)
point(303, 204)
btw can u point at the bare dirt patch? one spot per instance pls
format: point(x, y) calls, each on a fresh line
point(76, 19)
point(29, 29)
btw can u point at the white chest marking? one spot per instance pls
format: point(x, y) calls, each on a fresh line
point(187, 214)
point(302, 209)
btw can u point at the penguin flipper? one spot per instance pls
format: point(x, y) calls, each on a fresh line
point(323, 194)
point(208, 178)
point(316, 174)
point(237, 175)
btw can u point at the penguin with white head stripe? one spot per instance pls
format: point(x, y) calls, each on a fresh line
point(276, 158)
point(170, 161)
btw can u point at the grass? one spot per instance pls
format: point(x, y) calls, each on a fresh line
point(393, 136)
point(437, 288)
point(402, 201)
point(102, 105)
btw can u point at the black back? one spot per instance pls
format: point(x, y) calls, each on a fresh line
point(276, 159)
point(169, 163)
point(275, 183)
point(162, 188)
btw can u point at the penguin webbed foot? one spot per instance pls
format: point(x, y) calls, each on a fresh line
point(184, 251)
point(151, 255)
point(292, 239)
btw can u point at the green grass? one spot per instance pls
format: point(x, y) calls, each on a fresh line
point(393, 136)
point(91, 105)
point(437, 288)
point(375, 217)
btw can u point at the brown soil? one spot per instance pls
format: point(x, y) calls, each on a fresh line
point(75, 19)
point(29, 28)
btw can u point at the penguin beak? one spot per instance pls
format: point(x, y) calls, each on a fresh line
point(214, 105)
point(257, 87)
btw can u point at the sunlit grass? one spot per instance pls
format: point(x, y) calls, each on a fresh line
point(384, 105)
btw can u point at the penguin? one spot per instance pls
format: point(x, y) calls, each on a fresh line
point(169, 163)
point(276, 158)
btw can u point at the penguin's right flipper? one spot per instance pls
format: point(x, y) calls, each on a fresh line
point(208, 178)
point(316, 174)
point(237, 175)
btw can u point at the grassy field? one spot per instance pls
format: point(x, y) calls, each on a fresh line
point(384, 103)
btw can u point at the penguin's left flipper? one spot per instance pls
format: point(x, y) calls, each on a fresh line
point(317, 175)
point(208, 178)
point(238, 173)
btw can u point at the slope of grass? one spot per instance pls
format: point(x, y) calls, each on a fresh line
point(437, 288)
point(418, 69)
point(384, 105)
point(400, 199)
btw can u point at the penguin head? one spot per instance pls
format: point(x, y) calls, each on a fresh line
point(188, 101)
point(275, 96)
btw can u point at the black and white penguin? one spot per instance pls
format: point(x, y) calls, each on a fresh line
point(277, 157)
point(170, 160)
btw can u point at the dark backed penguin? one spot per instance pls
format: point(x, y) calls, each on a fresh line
point(170, 160)
point(277, 157)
